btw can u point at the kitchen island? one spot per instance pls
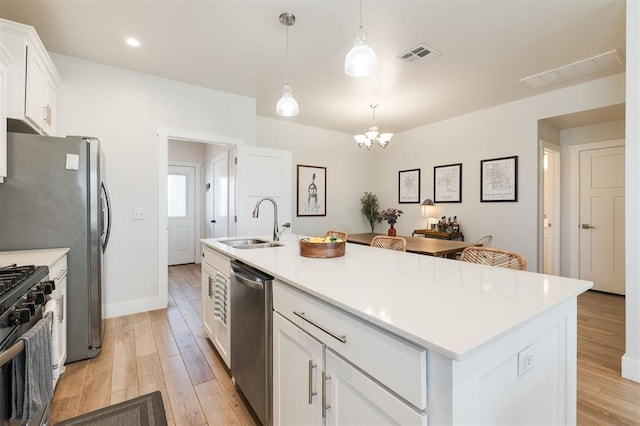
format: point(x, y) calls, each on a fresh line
point(430, 340)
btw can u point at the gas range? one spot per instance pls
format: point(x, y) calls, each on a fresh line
point(23, 289)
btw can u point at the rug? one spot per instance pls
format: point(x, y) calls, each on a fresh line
point(145, 410)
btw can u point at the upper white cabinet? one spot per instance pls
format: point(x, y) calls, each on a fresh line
point(5, 60)
point(32, 80)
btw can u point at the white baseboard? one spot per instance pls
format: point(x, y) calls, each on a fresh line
point(631, 368)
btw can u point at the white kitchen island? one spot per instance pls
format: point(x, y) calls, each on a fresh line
point(426, 340)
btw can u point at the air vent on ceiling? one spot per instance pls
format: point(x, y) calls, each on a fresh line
point(419, 54)
point(601, 62)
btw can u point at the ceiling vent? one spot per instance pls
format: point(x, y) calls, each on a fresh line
point(604, 61)
point(419, 54)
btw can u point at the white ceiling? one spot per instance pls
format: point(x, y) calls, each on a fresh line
point(238, 46)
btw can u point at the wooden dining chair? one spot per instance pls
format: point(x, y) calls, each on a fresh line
point(494, 257)
point(390, 243)
point(336, 234)
point(484, 241)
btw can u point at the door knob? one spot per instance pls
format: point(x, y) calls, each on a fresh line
point(587, 226)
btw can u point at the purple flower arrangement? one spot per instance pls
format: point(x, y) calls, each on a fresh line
point(391, 215)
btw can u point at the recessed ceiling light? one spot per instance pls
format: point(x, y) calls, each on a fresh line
point(133, 42)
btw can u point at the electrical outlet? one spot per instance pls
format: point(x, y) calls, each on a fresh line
point(139, 213)
point(526, 360)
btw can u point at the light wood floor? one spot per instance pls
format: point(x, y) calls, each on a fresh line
point(161, 350)
point(165, 350)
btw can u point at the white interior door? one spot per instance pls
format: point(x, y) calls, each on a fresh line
point(551, 210)
point(602, 218)
point(262, 172)
point(181, 214)
point(220, 219)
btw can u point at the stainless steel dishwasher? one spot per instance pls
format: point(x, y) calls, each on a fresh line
point(251, 310)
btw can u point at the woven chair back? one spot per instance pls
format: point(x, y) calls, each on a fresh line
point(494, 257)
point(390, 243)
point(484, 241)
point(336, 234)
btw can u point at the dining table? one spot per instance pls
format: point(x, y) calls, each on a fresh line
point(428, 246)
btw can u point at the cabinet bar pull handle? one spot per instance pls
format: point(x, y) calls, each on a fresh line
point(312, 393)
point(61, 313)
point(340, 337)
point(210, 290)
point(61, 275)
point(325, 406)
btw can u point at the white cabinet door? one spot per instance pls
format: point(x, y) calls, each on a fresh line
point(222, 316)
point(297, 375)
point(208, 275)
point(354, 399)
point(58, 273)
point(36, 91)
point(5, 60)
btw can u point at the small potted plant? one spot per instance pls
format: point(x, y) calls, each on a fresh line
point(371, 209)
point(391, 216)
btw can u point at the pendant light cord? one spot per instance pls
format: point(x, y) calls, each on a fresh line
point(287, 56)
point(360, 14)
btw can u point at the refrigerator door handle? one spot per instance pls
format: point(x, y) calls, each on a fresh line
point(107, 200)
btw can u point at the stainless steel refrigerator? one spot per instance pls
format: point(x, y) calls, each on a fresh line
point(55, 196)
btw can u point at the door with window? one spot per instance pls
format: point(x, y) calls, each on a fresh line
point(181, 214)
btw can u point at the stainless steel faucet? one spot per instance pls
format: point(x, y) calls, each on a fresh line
point(276, 230)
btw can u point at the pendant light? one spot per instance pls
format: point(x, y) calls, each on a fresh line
point(373, 135)
point(361, 60)
point(287, 106)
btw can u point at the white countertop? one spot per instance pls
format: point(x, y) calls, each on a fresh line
point(451, 307)
point(39, 257)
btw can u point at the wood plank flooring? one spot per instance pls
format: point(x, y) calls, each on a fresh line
point(166, 350)
point(161, 350)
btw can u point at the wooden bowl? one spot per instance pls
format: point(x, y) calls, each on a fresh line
point(322, 250)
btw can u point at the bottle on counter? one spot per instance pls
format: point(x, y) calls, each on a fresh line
point(455, 225)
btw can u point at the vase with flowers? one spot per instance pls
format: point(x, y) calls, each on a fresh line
point(391, 216)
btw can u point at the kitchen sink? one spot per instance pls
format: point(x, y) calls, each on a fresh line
point(250, 243)
point(243, 241)
point(258, 245)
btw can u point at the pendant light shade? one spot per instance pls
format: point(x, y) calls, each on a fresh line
point(287, 106)
point(361, 60)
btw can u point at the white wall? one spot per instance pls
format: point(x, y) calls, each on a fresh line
point(349, 173)
point(125, 109)
point(501, 131)
point(631, 358)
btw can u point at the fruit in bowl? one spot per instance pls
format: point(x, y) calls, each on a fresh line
point(322, 247)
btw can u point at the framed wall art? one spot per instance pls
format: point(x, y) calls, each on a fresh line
point(311, 191)
point(499, 179)
point(447, 183)
point(409, 186)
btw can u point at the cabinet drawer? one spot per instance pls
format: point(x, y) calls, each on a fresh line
point(217, 260)
point(58, 271)
point(397, 364)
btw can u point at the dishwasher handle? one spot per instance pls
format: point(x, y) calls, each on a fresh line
point(249, 282)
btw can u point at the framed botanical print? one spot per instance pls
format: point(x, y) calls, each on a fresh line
point(311, 191)
point(499, 179)
point(447, 183)
point(409, 186)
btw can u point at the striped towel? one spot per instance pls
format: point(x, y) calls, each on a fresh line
point(32, 376)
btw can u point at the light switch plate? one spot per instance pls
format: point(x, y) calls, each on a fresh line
point(73, 162)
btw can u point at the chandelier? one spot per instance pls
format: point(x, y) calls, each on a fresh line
point(373, 135)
